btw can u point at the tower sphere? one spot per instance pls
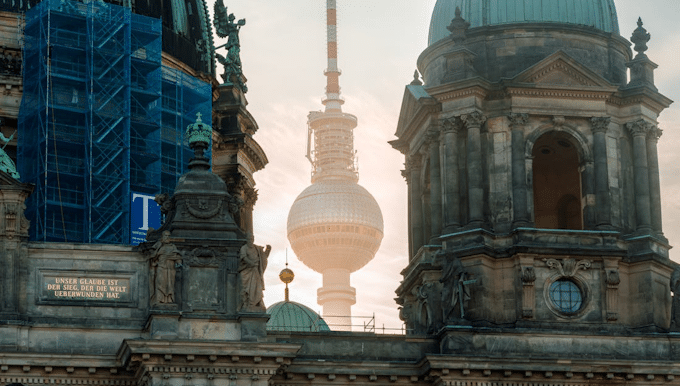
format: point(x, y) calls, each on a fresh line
point(335, 224)
point(599, 14)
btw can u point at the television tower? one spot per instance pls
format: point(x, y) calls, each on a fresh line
point(334, 226)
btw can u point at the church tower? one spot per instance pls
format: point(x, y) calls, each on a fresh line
point(335, 225)
point(532, 171)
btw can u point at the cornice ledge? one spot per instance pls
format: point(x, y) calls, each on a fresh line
point(589, 93)
point(477, 86)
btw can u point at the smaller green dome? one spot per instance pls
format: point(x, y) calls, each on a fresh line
point(599, 14)
point(292, 316)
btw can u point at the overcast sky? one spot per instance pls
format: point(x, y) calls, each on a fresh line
point(283, 50)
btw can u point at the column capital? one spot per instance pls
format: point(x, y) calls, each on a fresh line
point(654, 133)
point(451, 124)
point(518, 120)
point(405, 174)
point(639, 127)
point(599, 124)
point(473, 119)
point(432, 135)
point(413, 162)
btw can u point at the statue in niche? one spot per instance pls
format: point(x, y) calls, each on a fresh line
point(455, 291)
point(675, 306)
point(252, 263)
point(165, 259)
point(226, 27)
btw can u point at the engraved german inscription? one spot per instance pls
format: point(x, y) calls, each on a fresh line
point(86, 287)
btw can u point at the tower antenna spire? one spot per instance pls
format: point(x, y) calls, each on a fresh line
point(333, 101)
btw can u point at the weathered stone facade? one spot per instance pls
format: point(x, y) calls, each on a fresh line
point(536, 250)
point(533, 162)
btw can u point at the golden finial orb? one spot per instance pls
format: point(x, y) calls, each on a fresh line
point(286, 275)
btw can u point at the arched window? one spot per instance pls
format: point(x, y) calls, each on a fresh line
point(557, 182)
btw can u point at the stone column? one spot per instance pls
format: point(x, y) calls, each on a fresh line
point(599, 127)
point(587, 170)
point(409, 203)
point(249, 198)
point(520, 215)
point(639, 129)
point(449, 174)
point(654, 185)
point(473, 123)
point(435, 186)
point(413, 166)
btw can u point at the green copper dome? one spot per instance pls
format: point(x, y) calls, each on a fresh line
point(292, 316)
point(600, 14)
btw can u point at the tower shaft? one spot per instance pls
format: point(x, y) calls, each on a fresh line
point(332, 130)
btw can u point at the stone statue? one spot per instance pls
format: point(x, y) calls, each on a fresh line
point(675, 306)
point(164, 260)
point(226, 27)
point(455, 292)
point(6, 163)
point(252, 263)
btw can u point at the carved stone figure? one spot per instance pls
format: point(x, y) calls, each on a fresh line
point(164, 260)
point(252, 263)
point(226, 27)
point(675, 306)
point(422, 312)
point(455, 291)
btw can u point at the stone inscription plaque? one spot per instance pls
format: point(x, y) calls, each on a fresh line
point(96, 288)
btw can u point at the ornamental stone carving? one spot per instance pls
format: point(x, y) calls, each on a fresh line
point(518, 120)
point(432, 135)
point(600, 124)
point(639, 127)
point(473, 119)
point(204, 207)
point(654, 133)
point(458, 27)
point(413, 162)
point(558, 121)
point(567, 267)
point(528, 277)
point(640, 38)
point(452, 124)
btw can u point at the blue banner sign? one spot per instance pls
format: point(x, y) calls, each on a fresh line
point(145, 214)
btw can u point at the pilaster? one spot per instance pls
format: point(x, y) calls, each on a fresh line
point(639, 130)
point(519, 179)
point(654, 184)
point(413, 167)
point(473, 123)
point(449, 171)
point(433, 135)
point(599, 126)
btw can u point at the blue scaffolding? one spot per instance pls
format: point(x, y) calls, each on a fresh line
point(183, 97)
point(90, 122)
